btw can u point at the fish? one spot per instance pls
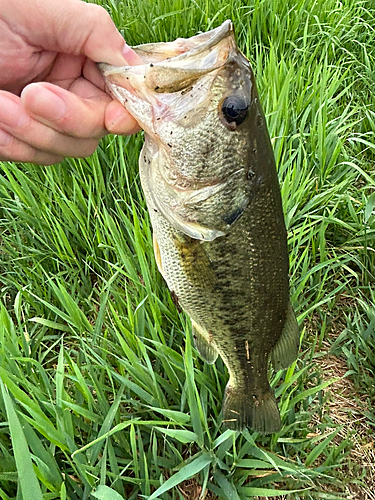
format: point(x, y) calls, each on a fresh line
point(209, 178)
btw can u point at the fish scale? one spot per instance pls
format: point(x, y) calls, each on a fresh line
point(208, 174)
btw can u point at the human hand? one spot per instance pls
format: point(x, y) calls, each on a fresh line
point(57, 44)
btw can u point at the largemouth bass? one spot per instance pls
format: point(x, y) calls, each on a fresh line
point(208, 173)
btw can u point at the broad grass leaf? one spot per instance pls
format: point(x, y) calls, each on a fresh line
point(63, 492)
point(178, 416)
point(228, 491)
point(27, 478)
point(51, 324)
point(227, 434)
point(369, 207)
point(53, 474)
point(311, 391)
point(39, 420)
point(105, 493)
point(183, 474)
point(253, 463)
point(183, 436)
point(249, 492)
point(318, 449)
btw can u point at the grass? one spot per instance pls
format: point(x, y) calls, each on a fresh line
point(102, 394)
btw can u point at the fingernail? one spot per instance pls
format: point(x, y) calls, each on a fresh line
point(11, 113)
point(123, 124)
point(43, 102)
point(127, 57)
point(4, 138)
point(131, 56)
point(118, 116)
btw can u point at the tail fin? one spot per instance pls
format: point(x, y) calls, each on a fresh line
point(243, 409)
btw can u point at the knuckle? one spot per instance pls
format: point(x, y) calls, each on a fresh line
point(99, 13)
point(19, 151)
point(8, 146)
point(61, 144)
point(89, 125)
point(86, 149)
point(42, 158)
point(91, 130)
point(5, 139)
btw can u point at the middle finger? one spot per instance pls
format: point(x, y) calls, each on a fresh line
point(17, 122)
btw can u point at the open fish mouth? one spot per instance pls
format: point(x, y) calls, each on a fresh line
point(149, 90)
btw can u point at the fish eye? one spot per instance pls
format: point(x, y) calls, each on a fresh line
point(234, 109)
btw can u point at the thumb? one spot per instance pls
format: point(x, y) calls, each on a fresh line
point(99, 38)
point(74, 27)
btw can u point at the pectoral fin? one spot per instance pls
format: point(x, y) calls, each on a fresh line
point(203, 346)
point(286, 349)
point(157, 254)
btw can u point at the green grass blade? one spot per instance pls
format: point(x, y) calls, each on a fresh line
point(105, 493)
point(186, 472)
point(27, 478)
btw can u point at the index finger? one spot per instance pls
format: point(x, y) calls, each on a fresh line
point(65, 111)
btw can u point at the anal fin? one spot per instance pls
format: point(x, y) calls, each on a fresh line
point(207, 351)
point(286, 349)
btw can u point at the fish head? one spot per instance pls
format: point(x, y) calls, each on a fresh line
point(197, 101)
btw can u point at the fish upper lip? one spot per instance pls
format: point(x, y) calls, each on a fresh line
point(223, 31)
point(216, 36)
